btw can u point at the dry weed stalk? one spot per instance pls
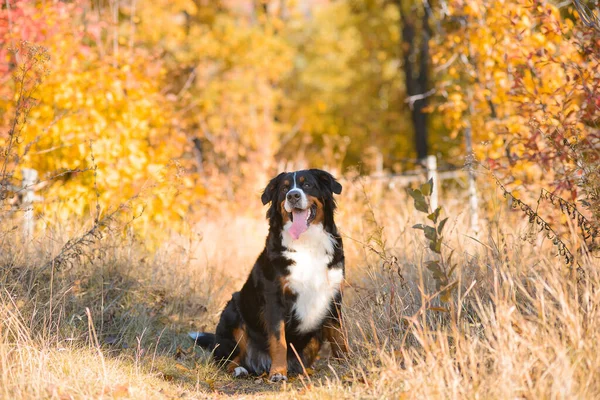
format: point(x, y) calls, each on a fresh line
point(30, 73)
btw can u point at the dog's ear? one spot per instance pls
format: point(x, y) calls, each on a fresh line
point(330, 182)
point(271, 189)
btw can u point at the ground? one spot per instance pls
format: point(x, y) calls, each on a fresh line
point(113, 321)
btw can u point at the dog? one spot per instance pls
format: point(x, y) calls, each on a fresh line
point(291, 301)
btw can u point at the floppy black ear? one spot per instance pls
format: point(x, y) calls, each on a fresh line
point(269, 191)
point(330, 182)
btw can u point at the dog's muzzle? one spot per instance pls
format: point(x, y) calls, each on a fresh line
point(295, 199)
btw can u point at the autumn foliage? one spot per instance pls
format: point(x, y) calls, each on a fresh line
point(172, 106)
point(530, 94)
point(155, 124)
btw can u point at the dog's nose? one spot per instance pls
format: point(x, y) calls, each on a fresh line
point(293, 195)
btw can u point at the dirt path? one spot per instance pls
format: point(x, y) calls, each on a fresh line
point(189, 374)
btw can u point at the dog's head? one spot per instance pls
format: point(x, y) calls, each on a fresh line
point(302, 198)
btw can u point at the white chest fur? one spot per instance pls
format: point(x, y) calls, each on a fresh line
point(314, 284)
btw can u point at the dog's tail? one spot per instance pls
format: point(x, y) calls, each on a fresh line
point(204, 339)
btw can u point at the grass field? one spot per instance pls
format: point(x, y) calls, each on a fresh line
point(113, 322)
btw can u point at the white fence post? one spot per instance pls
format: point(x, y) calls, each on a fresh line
point(30, 177)
point(378, 186)
point(431, 164)
point(473, 203)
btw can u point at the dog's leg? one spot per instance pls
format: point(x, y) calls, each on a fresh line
point(334, 335)
point(311, 351)
point(273, 317)
point(278, 353)
point(300, 358)
point(234, 366)
point(333, 332)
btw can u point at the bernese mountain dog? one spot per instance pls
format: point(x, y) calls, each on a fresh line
point(291, 302)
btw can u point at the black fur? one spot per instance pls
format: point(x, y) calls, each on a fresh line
point(263, 303)
point(206, 340)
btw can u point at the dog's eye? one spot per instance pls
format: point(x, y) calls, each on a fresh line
point(285, 189)
point(307, 185)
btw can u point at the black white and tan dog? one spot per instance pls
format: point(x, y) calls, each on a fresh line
point(292, 298)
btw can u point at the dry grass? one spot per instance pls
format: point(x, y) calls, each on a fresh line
point(114, 324)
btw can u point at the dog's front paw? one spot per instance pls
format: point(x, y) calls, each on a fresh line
point(240, 371)
point(277, 377)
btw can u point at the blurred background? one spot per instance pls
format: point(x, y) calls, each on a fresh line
point(136, 137)
point(177, 107)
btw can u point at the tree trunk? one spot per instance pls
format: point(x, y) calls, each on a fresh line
point(416, 72)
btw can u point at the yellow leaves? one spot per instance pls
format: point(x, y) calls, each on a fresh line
point(456, 98)
point(498, 142)
point(121, 110)
point(515, 61)
point(155, 170)
point(524, 23)
point(569, 25)
point(472, 8)
point(321, 106)
point(210, 383)
point(538, 40)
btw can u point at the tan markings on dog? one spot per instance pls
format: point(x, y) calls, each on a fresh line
point(338, 343)
point(285, 288)
point(278, 352)
point(241, 337)
point(301, 179)
point(320, 214)
point(311, 351)
point(333, 333)
point(286, 182)
point(284, 214)
point(262, 319)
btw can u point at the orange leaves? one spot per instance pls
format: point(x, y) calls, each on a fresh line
point(518, 60)
point(96, 101)
point(222, 92)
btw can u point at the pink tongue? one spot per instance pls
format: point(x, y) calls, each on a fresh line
point(299, 225)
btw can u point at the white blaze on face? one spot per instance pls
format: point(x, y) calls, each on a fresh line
point(302, 204)
point(299, 210)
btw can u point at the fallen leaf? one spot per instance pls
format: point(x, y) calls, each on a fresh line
point(210, 383)
point(182, 368)
point(117, 391)
point(180, 353)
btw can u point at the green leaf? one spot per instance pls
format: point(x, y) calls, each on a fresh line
point(442, 224)
point(419, 226)
point(430, 233)
point(449, 259)
point(434, 267)
point(414, 193)
point(420, 202)
point(436, 245)
point(452, 269)
point(426, 188)
point(434, 215)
